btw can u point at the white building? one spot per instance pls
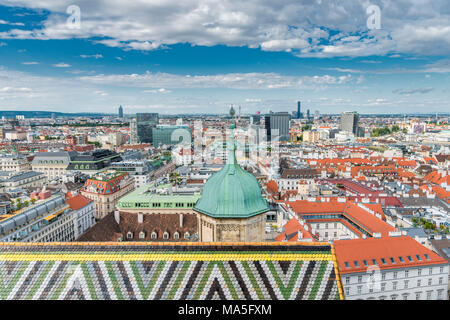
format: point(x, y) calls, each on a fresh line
point(391, 268)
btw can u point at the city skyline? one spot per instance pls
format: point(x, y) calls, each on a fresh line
point(201, 58)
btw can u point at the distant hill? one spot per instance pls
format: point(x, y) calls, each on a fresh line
point(48, 114)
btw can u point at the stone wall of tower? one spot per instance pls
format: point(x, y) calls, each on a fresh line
point(231, 230)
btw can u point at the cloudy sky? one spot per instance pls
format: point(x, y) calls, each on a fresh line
point(172, 56)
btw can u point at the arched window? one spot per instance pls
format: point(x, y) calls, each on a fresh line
point(154, 235)
point(130, 235)
point(186, 235)
point(176, 236)
point(141, 235)
point(166, 235)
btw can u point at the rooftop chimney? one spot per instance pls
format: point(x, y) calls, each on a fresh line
point(117, 216)
point(395, 233)
point(140, 217)
point(181, 220)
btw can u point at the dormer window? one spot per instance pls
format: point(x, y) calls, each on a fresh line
point(130, 235)
point(418, 257)
point(186, 235)
point(166, 235)
point(141, 235)
point(154, 236)
point(176, 236)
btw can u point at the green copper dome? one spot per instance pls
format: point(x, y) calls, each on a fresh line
point(232, 192)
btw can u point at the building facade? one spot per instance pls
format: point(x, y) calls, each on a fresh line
point(52, 164)
point(105, 189)
point(391, 268)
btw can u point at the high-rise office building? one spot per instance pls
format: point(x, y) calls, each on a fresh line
point(308, 114)
point(299, 112)
point(255, 118)
point(120, 112)
point(133, 131)
point(277, 121)
point(145, 124)
point(349, 121)
point(171, 135)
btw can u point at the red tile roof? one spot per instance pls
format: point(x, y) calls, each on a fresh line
point(291, 229)
point(77, 202)
point(349, 251)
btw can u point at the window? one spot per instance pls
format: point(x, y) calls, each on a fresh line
point(418, 282)
point(383, 287)
point(429, 281)
point(406, 273)
point(426, 256)
point(176, 236)
point(356, 264)
point(346, 264)
point(394, 297)
point(410, 259)
point(154, 235)
point(394, 285)
point(418, 257)
point(430, 271)
point(419, 272)
point(439, 294)
point(395, 274)
point(440, 280)
point(359, 289)
point(365, 263)
point(441, 269)
point(374, 261)
point(401, 259)
point(418, 294)
point(166, 235)
point(392, 260)
point(383, 276)
point(141, 235)
point(406, 284)
point(429, 295)
point(347, 280)
point(186, 235)
point(347, 291)
point(130, 235)
point(383, 260)
point(359, 279)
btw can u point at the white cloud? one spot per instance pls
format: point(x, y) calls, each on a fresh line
point(95, 56)
point(230, 80)
point(11, 23)
point(61, 65)
point(416, 26)
point(161, 90)
point(30, 63)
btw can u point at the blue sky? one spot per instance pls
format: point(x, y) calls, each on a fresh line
point(200, 56)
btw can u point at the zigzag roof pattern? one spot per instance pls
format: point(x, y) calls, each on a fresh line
point(168, 271)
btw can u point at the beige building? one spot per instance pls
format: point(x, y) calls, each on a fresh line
point(52, 164)
point(106, 188)
point(11, 163)
point(311, 136)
